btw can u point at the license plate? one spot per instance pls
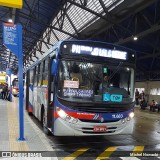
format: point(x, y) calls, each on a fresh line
point(100, 128)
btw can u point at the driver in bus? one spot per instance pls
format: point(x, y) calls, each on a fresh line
point(104, 85)
point(75, 73)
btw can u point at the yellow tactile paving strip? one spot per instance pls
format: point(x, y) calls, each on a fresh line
point(13, 126)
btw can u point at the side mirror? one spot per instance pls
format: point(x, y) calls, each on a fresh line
point(54, 67)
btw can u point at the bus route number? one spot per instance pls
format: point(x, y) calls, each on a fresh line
point(117, 115)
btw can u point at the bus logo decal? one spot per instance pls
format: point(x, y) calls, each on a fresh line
point(101, 119)
point(106, 97)
point(96, 116)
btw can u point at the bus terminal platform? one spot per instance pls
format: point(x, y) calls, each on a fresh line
point(35, 139)
point(37, 142)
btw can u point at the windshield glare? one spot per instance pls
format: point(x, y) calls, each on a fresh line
point(91, 82)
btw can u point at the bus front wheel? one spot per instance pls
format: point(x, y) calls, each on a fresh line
point(44, 122)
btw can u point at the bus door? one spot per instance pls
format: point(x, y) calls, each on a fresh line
point(30, 90)
point(26, 88)
point(51, 92)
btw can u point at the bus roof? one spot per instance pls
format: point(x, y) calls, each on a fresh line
point(59, 43)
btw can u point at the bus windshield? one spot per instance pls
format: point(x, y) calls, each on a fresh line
point(92, 82)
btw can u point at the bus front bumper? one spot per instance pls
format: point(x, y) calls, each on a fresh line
point(64, 128)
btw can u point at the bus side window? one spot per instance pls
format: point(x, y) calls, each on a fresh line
point(46, 65)
point(40, 66)
point(31, 76)
point(35, 76)
point(45, 73)
point(53, 67)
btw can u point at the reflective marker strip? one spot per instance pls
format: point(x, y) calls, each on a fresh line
point(106, 153)
point(75, 154)
point(129, 158)
point(138, 149)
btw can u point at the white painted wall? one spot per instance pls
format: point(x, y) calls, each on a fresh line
point(148, 85)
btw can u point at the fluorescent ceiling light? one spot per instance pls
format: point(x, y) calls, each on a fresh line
point(135, 38)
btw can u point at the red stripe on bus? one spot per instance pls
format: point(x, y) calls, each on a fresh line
point(30, 109)
point(8, 24)
point(81, 115)
point(46, 93)
point(78, 115)
point(55, 114)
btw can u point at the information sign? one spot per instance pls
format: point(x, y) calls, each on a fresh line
point(85, 93)
point(11, 3)
point(12, 39)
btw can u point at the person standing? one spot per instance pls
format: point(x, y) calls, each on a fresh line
point(137, 97)
point(142, 95)
point(5, 91)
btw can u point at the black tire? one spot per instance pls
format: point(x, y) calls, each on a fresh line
point(30, 113)
point(45, 129)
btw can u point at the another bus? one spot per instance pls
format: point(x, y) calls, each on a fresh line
point(67, 92)
point(15, 88)
point(2, 80)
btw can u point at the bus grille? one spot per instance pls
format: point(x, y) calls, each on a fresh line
point(102, 109)
point(98, 107)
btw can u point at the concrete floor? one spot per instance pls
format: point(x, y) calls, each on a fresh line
point(146, 132)
point(146, 135)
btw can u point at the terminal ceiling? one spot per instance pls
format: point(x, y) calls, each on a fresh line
point(117, 21)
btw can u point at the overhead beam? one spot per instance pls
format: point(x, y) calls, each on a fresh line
point(148, 56)
point(132, 12)
point(153, 29)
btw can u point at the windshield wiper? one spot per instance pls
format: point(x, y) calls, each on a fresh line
point(116, 70)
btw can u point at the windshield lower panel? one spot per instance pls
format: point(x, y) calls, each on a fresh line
point(96, 83)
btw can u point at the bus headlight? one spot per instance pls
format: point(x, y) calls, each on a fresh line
point(74, 120)
point(61, 113)
point(131, 115)
point(65, 116)
point(68, 118)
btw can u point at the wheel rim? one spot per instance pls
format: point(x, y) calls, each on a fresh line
point(44, 120)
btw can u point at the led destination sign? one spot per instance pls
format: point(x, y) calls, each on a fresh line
point(96, 51)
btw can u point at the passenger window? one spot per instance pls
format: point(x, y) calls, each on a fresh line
point(45, 78)
point(31, 76)
point(41, 67)
point(35, 80)
point(35, 76)
point(40, 74)
point(46, 65)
